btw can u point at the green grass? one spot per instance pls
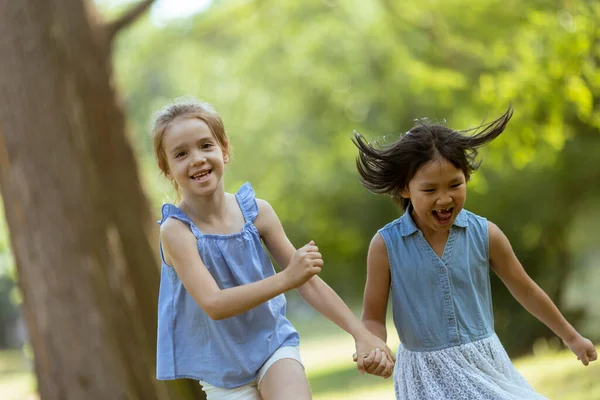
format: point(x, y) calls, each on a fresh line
point(556, 374)
point(326, 352)
point(17, 382)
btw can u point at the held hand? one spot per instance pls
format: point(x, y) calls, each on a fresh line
point(583, 349)
point(305, 263)
point(374, 356)
point(377, 362)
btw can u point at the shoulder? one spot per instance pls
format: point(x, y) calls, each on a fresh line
point(265, 211)
point(377, 243)
point(267, 218)
point(264, 207)
point(391, 225)
point(475, 224)
point(497, 238)
point(173, 230)
point(471, 217)
point(393, 232)
point(378, 255)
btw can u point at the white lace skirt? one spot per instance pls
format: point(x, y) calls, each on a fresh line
point(475, 371)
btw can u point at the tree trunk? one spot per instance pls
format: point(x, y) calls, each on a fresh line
point(79, 222)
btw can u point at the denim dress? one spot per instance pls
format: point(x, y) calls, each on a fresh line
point(225, 353)
point(442, 309)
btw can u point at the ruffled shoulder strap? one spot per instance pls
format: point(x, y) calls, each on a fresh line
point(247, 201)
point(172, 211)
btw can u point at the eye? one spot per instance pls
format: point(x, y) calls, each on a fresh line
point(180, 154)
point(456, 185)
point(207, 145)
point(429, 190)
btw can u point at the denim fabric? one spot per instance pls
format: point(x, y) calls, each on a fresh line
point(226, 353)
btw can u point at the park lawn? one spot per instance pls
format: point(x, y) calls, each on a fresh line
point(17, 382)
point(327, 353)
point(555, 374)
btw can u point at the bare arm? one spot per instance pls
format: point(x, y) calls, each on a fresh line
point(180, 251)
point(315, 291)
point(377, 288)
point(505, 264)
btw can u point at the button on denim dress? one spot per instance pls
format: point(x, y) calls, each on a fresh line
point(442, 310)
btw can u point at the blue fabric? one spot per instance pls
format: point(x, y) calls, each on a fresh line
point(440, 302)
point(229, 352)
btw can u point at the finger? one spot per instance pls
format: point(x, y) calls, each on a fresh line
point(354, 357)
point(310, 249)
point(376, 361)
point(382, 366)
point(360, 364)
point(315, 255)
point(593, 355)
point(318, 262)
point(390, 355)
point(388, 371)
point(364, 359)
point(369, 358)
point(584, 359)
point(368, 361)
point(391, 372)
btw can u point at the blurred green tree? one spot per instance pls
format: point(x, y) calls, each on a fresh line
point(293, 79)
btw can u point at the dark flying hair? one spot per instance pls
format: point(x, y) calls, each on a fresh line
point(389, 169)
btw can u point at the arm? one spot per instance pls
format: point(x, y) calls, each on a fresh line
point(180, 250)
point(377, 288)
point(315, 291)
point(506, 265)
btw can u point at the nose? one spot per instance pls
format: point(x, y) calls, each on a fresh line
point(198, 159)
point(444, 200)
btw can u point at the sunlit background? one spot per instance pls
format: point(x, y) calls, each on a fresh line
point(293, 79)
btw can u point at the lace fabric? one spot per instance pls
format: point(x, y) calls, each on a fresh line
point(476, 371)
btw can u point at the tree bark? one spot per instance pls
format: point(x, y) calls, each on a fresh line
point(79, 221)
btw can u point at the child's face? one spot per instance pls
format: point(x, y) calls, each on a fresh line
point(437, 193)
point(195, 159)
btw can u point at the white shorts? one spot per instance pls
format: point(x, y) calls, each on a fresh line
point(250, 391)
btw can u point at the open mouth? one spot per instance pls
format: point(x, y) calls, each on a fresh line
point(201, 176)
point(443, 216)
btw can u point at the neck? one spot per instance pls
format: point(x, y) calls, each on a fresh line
point(427, 231)
point(206, 209)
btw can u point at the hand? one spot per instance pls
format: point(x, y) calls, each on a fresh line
point(374, 356)
point(305, 263)
point(583, 349)
point(377, 362)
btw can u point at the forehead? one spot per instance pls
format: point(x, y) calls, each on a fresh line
point(438, 170)
point(185, 129)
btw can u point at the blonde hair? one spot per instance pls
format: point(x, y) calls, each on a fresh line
point(187, 107)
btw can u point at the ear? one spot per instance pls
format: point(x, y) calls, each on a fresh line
point(405, 193)
point(226, 157)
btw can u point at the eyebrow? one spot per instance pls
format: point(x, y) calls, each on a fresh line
point(182, 146)
point(455, 180)
point(177, 148)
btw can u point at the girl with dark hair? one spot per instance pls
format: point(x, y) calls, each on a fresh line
point(435, 259)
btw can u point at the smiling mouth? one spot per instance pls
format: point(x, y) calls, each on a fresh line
point(443, 216)
point(201, 176)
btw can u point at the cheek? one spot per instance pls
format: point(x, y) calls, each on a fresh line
point(423, 201)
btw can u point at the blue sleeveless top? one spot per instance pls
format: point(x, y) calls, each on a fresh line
point(225, 353)
point(440, 302)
